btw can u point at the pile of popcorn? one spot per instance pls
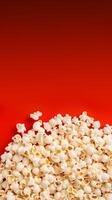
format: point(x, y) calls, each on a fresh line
point(66, 158)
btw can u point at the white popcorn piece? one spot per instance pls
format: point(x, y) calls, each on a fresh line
point(47, 126)
point(96, 124)
point(35, 171)
point(10, 196)
point(37, 125)
point(36, 115)
point(97, 192)
point(109, 196)
point(57, 195)
point(80, 194)
point(36, 189)
point(20, 128)
point(87, 189)
point(20, 166)
point(27, 191)
point(15, 187)
point(107, 129)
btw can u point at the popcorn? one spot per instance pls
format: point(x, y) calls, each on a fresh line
point(20, 167)
point(15, 187)
point(73, 162)
point(96, 124)
point(80, 194)
point(10, 196)
point(27, 191)
point(57, 195)
point(20, 128)
point(98, 192)
point(36, 126)
point(47, 126)
point(36, 189)
point(87, 189)
point(105, 158)
point(109, 196)
point(35, 170)
point(36, 115)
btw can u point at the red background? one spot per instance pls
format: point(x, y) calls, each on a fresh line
point(56, 57)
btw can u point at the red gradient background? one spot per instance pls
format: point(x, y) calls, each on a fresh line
point(56, 57)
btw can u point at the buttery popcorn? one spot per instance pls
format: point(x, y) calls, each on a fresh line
point(74, 162)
